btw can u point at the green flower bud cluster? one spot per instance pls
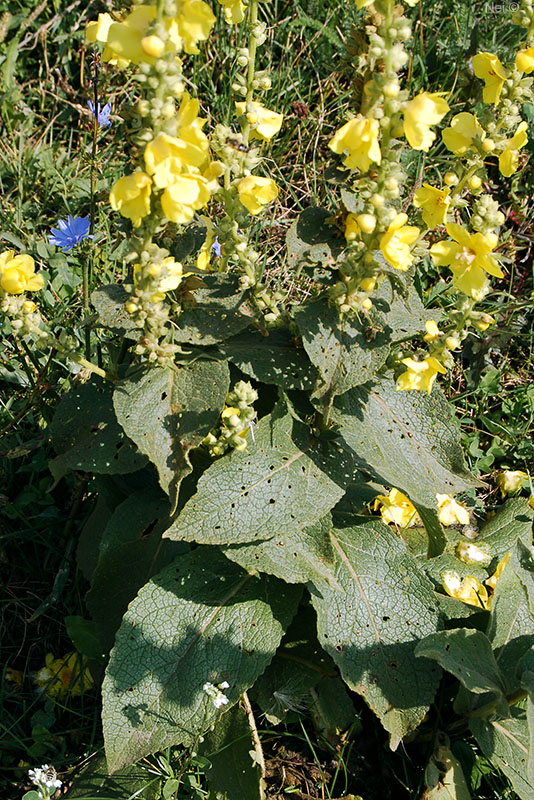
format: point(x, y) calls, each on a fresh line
point(486, 215)
point(237, 420)
point(24, 317)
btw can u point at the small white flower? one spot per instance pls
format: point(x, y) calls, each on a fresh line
point(220, 700)
point(216, 693)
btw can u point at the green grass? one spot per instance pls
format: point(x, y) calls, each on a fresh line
point(45, 168)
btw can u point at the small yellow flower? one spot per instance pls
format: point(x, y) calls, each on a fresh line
point(396, 241)
point(233, 11)
point(425, 110)
point(450, 512)
point(511, 481)
point(167, 157)
point(130, 196)
point(357, 140)
point(524, 60)
point(17, 273)
point(153, 46)
point(462, 132)
point(66, 675)
point(181, 199)
point(469, 590)
point(488, 67)
point(420, 375)
point(352, 229)
point(492, 581)
point(255, 192)
point(509, 158)
point(204, 254)
point(397, 509)
point(471, 553)
point(263, 122)
point(433, 204)
point(432, 331)
point(124, 39)
point(169, 274)
point(469, 258)
point(195, 20)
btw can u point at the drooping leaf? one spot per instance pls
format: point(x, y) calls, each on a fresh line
point(372, 627)
point(84, 636)
point(512, 521)
point(109, 302)
point(201, 619)
point(219, 311)
point(285, 480)
point(467, 654)
point(272, 357)
point(294, 556)
point(399, 311)
point(408, 440)
point(169, 411)
point(227, 746)
point(525, 671)
point(505, 742)
point(86, 435)
point(312, 240)
point(337, 346)
point(332, 710)
point(511, 624)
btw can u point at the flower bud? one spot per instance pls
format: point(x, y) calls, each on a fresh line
point(367, 222)
point(488, 145)
point(367, 304)
point(450, 179)
point(368, 284)
point(475, 183)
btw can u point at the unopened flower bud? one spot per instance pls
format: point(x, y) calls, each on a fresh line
point(367, 222)
point(450, 179)
point(367, 304)
point(368, 284)
point(475, 183)
point(452, 343)
point(153, 46)
point(488, 145)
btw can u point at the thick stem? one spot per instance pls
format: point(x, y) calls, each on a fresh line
point(255, 740)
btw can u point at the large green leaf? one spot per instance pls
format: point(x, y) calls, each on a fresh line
point(312, 240)
point(467, 654)
point(372, 627)
point(506, 743)
point(109, 302)
point(228, 747)
point(168, 411)
point(399, 311)
point(408, 440)
point(271, 357)
point(87, 436)
point(286, 480)
point(512, 521)
point(526, 672)
point(217, 312)
point(202, 619)
point(294, 556)
point(337, 346)
point(511, 624)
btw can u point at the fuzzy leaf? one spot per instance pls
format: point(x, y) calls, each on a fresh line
point(168, 411)
point(201, 619)
point(87, 436)
point(400, 310)
point(505, 742)
point(512, 521)
point(467, 654)
point(372, 627)
point(287, 479)
point(312, 240)
point(337, 347)
point(109, 302)
point(408, 440)
point(217, 312)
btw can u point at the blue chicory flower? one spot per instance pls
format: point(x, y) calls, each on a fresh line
point(70, 232)
point(216, 247)
point(102, 115)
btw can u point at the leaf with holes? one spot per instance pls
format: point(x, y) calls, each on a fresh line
point(168, 411)
point(512, 521)
point(408, 440)
point(201, 619)
point(505, 742)
point(285, 480)
point(372, 627)
point(217, 312)
point(337, 346)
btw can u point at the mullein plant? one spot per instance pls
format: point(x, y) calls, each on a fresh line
point(379, 239)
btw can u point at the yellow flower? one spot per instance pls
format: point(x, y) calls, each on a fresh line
point(433, 204)
point(488, 67)
point(124, 39)
point(396, 241)
point(396, 508)
point(425, 110)
point(233, 11)
point(255, 192)
point(17, 273)
point(181, 199)
point(524, 60)
point(169, 274)
point(471, 553)
point(190, 125)
point(357, 140)
point(130, 196)
point(352, 229)
point(195, 20)
point(509, 158)
point(66, 675)
point(511, 481)
point(492, 581)
point(264, 123)
point(469, 590)
point(167, 157)
point(420, 375)
point(462, 132)
point(450, 512)
point(204, 254)
point(468, 257)
point(432, 331)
